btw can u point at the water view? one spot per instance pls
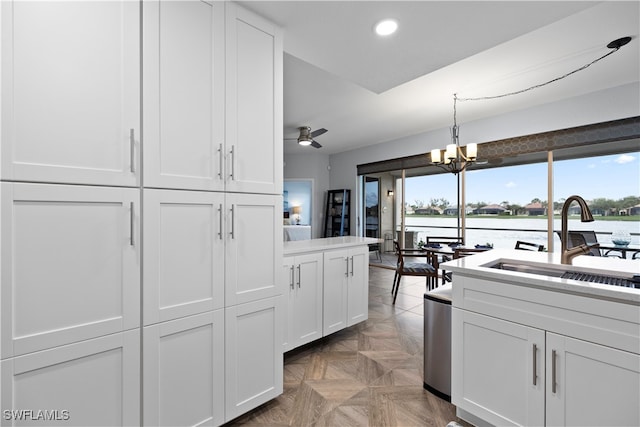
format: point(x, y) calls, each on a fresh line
point(503, 232)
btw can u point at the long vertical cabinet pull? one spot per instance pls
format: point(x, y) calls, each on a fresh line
point(292, 275)
point(221, 161)
point(346, 272)
point(132, 150)
point(131, 219)
point(233, 161)
point(352, 266)
point(535, 364)
point(220, 222)
point(553, 371)
point(233, 222)
point(299, 279)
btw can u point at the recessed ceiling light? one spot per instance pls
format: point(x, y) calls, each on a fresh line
point(386, 27)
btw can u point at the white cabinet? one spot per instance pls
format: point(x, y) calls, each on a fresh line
point(183, 371)
point(590, 384)
point(346, 276)
point(496, 362)
point(70, 264)
point(184, 254)
point(93, 382)
point(304, 299)
point(253, 247)
point(184, 94)
point(71, 92)
point(253, 146)
point(530, 356)
point(253, 349)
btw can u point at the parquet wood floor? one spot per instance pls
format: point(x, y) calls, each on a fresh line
point(366, 375)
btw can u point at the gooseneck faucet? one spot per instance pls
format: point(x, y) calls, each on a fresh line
point(585, 216)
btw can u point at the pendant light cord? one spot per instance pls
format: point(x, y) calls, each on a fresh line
point(615, 47)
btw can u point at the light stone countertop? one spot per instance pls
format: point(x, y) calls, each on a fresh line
point(478, 265)
point(328, 243)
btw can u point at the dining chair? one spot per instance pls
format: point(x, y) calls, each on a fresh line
point(460, 253)
point(527, 246)
point(404, 267)
point(579, 237)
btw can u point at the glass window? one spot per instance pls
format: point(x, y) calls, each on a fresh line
point(610, 185)
point(507, 204)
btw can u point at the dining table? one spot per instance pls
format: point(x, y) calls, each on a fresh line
point(608, 249)
point(446, 253)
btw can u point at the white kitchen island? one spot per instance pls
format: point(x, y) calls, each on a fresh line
point(326, 284)
point(533, 349)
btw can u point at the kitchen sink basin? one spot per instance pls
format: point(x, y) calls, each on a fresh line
point(633, 282)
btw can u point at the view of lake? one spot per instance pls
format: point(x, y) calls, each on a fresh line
point(446, 226)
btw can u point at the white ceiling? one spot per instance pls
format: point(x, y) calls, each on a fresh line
point(366, 89)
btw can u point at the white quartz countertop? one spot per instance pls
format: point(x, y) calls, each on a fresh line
point(328, 243)
point(478, 265)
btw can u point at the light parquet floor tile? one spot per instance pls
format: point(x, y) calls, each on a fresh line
point(368, 375)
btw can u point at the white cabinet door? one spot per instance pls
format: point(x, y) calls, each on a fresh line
point(306, 311)
point(254, 103)
point(90, 383)
point(183, 377)
point(183, 253)
point(253, 247)
point(288, 296)
point(184, 94)
point(71, 92)
point(253, 348)
point(499, 373)
point(70, 264)
point(590, 384)
point(336, 277)
point(358, 286)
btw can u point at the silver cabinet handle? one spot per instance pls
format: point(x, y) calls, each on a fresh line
point(291, 276)
point(346, 273)
point(351, 266)
point(132, 150)
point(233, 236)
point(220, 222)
point(553, 371)
point(535, 363)
point(131, 219)
point(233, 168)
point(221, 161)
point(299, 279)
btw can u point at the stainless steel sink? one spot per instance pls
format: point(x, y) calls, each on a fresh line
point(530, 269)
point(563, 273)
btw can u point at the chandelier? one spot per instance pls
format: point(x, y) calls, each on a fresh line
point(455, 158)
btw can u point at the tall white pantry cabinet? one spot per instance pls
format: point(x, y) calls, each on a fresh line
point(141, 167)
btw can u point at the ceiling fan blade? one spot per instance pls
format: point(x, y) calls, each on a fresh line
point(317, 132)
point(314, 144)
point(290, 139)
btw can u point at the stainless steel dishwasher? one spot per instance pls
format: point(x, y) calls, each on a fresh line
point(437, 341)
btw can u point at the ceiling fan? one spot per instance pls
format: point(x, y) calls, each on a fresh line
point(306, 136)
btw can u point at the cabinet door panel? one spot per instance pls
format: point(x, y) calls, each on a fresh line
point(336, 272)
point(288, 298)
point(495, 365)
point(184, 94)
point(70, 266)
point(254, 103)
point(184, 253)
point(307, 310)
point(358, 287)
point(96, 381)
point(253, 348)
point(184, 371)
point(71, 92)
point(253, 247)
point(595, 385)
